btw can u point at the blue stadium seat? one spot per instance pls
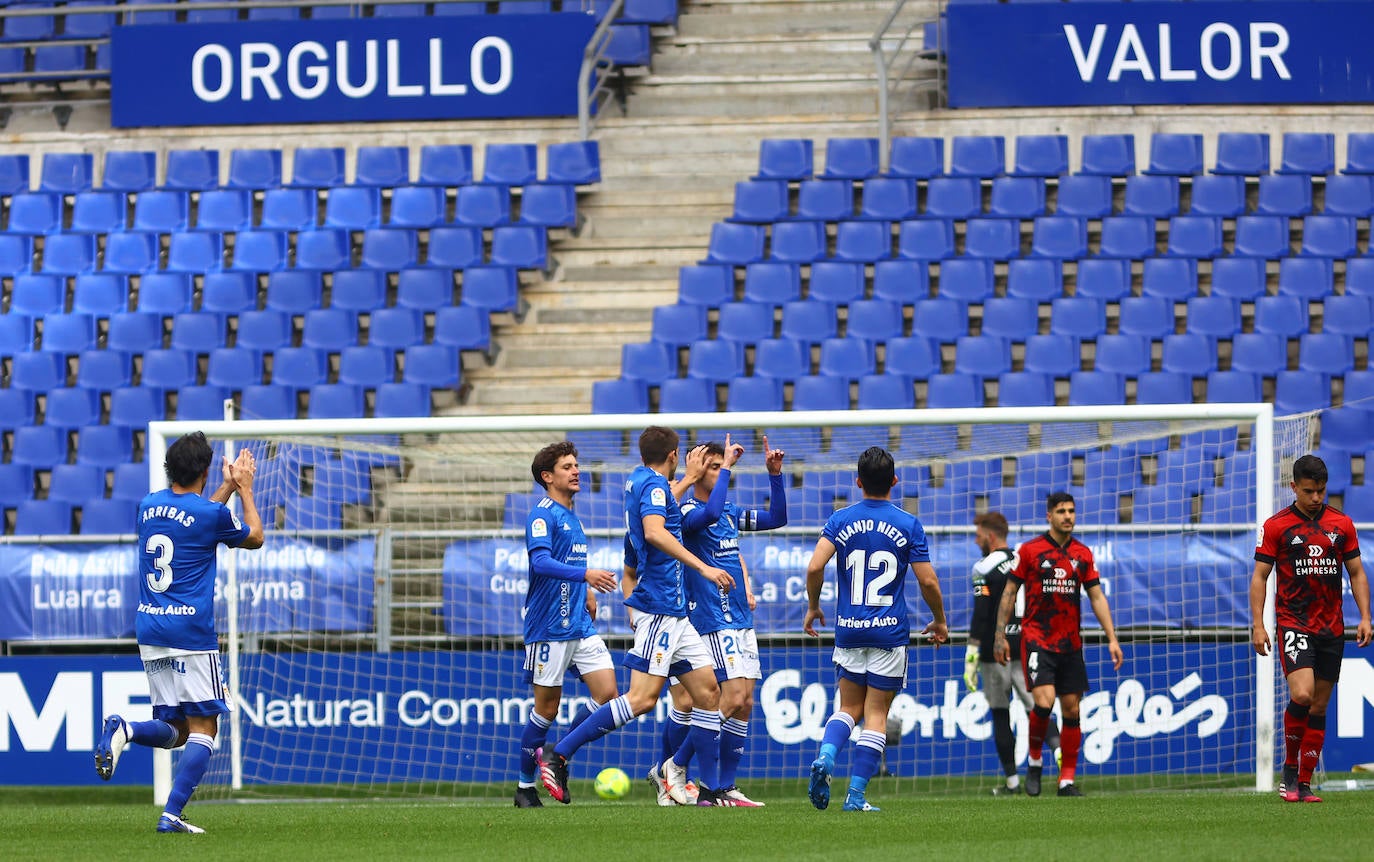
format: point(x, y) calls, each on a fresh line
point(737, 244)
point(35, 213)
point(427, 290)
point(1170, 278)
point(445, 165)
point(904, 281)
point(358, 290)
point(1041, 156)
point(262, 401)
point(1125, 355)
point(1261, 236)
point(1148, 316)
point(760, 201)
point(1349, 315)
point(954, 198)
point(43, 517)
point(396, 328)
point(851, 158)
point(1240, 278)
point(263, 330)
point(1233, 387)
point(299, 367)
point(651, 362)
point(1326, 352)
point(68, 333)
point(941, 319)
point(260, 251)
point(172, 368)
point(1127, 237)
point(926, 239)
point(1163, 387)
point(1162, 504)
point(195, 252)
point(954, 390)
point(1345, 429)
point(1010, 318)
point(14, 173)
point(835, 282)
point(16, 481)
point(383, 167)
point(449, 248)
point(716, 361)
point(225, 210)
point(228, 293)
point(848, 358)
point(69, 254)
point(108, 517)
point(797, 241)
point(1262, 353)
point(72, 408)
point(678, 325)
point(417, 207)
point(494, 288)
point(1283, 315)
point(1310, 153)
point(352, 208)
point(808, 321)
point(124, 171)
point(820, 393)
point(74, 484)
point(131, 253)
point(434, 365)
point(1195, 236)
point(1308, 277)
point(1218, 196)
point(687, 395)
point(521, 246)
point(917, 158)
point(745, 322)
point(825, 200)
point(1359, 153)
point(1025, 389)
point(39, 446)
point(782, 359)
point(1349, 196)
point(191, 170)
point(1096, 387)
point(966, 280)
point(1153, 196)
point(368, 366)
point(888, 199)
point(1301, 391)
point(37, 295)
point(1339, 477)
point(1081, 317)
point(203, 403)
point(1175, 154)
point(1052, 355)
point(1059, 237)
point(1040, 280)
point(16, 334)
point(754, 393)
point(1084, 196)
point(1284, 196)
point(1215, 316)
point(294, 292)
point(509, 164)
point(398, 10)
point(912, 357)
point(16, 410)
point(1190, 353)
point(405, 399)
point(133, 332)
point(1359, 277)
point(573, 162)
point(1104, 279)
point(886, 392)
point(1242, 153)
point(161, 211)
point(64, 173)
point(982, 156)
point(769, 282)
point(546, 205)
point(317, 167)
point(389, 249)
point(785, 159)
point(254, 170)
point(1108, 155)
point(289, 209)
point(993, 239)
point(619, 396)
point(16, 254)
point(1017, 197)
point(1329, 236)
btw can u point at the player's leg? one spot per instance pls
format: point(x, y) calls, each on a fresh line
point(1038, 668)
point(1018, 685)
point(1071, 739)
point(675, 731)
point(853, 689)
point(545, 665)
point(643, 694)
point(735, 653)
point(997, 689)
point(1326, 670)
point(1297, 658)
point(703, 737)
point(117, 733)
point(886, 676)
point(202, 702)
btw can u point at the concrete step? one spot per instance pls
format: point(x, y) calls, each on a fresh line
point(860, 20)
point(676, 99)
point(754, 59)
point(649, 261)
point(687, 230)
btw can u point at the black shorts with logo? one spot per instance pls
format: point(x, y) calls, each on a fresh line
point(1065, 671)
point(1299, 650)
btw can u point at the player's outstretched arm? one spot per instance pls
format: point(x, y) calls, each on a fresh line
point(243, 472)
point(1359, 588)
point(1259, 588)
point(815, 579)
point(1001, 650)
point(1098, 598)
point(938, 628)
point(656, 534)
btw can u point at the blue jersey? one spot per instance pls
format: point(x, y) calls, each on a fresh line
point(710, 607)
point(178, 535)
point(875, 542)
point(556, 608)
point(659, 590)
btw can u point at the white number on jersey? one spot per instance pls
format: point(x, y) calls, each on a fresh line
point(161, 548)
point(869, 592)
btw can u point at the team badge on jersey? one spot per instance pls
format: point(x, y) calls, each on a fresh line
point(539, 528)
point(658, 497)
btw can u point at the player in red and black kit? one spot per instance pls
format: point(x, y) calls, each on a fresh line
point(1055, 569)
point(1307, 542)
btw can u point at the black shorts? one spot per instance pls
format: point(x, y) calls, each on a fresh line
point(1063, 670)
point(1298, 650)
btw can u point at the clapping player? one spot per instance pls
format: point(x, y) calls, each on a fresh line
point(178, 533)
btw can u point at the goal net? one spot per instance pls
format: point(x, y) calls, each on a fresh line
point(373, 643)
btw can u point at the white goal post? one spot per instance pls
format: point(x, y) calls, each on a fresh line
point(384, 659)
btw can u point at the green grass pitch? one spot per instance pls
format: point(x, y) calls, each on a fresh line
point(117, 823)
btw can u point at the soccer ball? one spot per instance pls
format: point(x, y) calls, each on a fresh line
point(612, 783)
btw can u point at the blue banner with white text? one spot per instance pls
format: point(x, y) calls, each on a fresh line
point(1155, 53)
point(348, 70)
point(362, 718)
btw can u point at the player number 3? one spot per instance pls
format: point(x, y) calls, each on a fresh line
point(161, 548)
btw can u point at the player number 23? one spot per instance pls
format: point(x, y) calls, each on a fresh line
point(161, 548)
point(867, 591)
point(1294, 641)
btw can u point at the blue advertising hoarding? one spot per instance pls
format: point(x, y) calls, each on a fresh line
point(1151, 53)
point(347, 70)
point(448, 716)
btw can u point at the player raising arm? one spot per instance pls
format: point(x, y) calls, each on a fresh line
point(1307, 543)
point(875, 542)
point(178, 532)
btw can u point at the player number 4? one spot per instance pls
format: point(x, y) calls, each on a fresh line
point(865, 591)
point(161, 548)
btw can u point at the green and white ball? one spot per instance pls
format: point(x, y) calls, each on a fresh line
point(612, 783)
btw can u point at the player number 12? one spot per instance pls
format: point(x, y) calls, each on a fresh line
point(863, 591)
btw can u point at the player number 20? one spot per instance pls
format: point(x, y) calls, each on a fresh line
point(161, 548)
point(867, 591)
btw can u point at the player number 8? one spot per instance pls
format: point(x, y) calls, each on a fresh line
point(161, 548)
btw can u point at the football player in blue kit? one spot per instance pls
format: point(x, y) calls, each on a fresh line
point(178, 534)
point(560, 612)
point(873, 542)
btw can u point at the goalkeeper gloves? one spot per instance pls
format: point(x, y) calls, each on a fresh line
point(971, 667)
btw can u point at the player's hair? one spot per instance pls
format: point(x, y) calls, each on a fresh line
point(548, 457)
point(188, 459)
point(713, 448)
point(994, 522)
point(876, 470)
point(1053, 501)
point(1309, 467)
point(656, 444)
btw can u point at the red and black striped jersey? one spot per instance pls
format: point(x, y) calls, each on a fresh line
point(1308, 554)
point(1054, 577)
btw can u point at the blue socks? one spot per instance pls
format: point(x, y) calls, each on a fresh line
point(153, 734)
point(867, 755)
point(675, 733)
point(704, 738)
point(194, 760)
point(732, 736)
point(837, 731)
point(605, 719)
point(536, 731)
